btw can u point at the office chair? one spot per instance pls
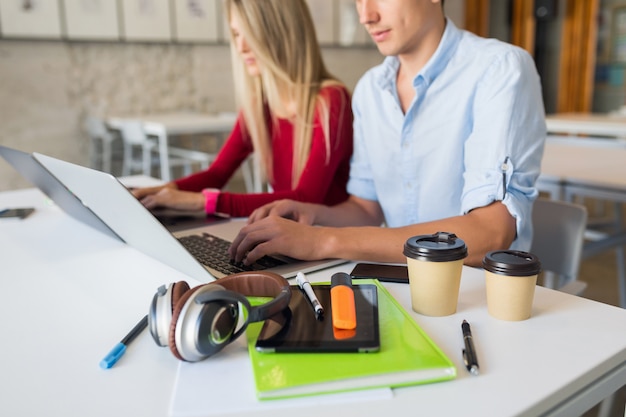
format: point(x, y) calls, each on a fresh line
point(98, 132)
point(135, 139)
point(558, 238)
point(140, 149)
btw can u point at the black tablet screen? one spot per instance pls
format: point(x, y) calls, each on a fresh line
point(300, 331)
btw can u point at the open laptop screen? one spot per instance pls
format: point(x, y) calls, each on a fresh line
point(32, 170)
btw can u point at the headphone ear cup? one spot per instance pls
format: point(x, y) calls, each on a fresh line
point(177, 308)
point(160, 316)
point(178, 290)
point(199, 330)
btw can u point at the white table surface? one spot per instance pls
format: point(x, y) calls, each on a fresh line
point(179, 123)
point(598, 163)
point(593, 124)
point(70, 294)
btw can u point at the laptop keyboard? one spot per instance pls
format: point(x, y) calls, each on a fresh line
point(212, 251)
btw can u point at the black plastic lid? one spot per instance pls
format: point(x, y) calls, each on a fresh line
point(511, 262)
point(340, 278)
point(439, 247)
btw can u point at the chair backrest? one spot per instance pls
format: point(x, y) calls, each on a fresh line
point(96, 129)
point(558, 237)
point(132, 132)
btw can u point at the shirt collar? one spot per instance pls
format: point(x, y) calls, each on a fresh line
point(435, 65)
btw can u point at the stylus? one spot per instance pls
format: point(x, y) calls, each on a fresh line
point(118, 350)
point(305, 285)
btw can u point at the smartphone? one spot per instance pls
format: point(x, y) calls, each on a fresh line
point(20, 213)
point(382, 272)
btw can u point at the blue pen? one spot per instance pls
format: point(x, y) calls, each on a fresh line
point(118, 350)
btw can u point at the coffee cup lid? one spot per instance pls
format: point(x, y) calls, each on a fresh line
point(438, 247)
point(511, 262)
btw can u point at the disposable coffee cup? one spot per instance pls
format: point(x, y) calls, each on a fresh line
point(435, 263)
point(511, 277)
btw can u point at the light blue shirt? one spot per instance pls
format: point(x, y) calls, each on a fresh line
point(477, 122)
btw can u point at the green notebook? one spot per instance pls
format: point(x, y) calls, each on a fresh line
point(407, 357)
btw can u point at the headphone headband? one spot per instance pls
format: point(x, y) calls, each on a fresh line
point(256, 284)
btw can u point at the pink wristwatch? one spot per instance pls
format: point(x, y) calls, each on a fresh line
point(210, 199)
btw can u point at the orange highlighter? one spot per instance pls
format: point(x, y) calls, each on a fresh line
point(342, 301)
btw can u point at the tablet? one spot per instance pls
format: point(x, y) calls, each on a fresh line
point(300, 331)
point(381, 272)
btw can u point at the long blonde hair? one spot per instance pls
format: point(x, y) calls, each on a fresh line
point(282, 36)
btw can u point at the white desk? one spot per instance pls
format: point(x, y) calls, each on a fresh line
point(587, 124)
point(164, 125)
point(594, 163)
point(70, 294)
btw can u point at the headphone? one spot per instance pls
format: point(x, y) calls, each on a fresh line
point(199, 322)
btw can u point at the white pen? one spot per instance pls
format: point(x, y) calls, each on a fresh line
point(305, 285)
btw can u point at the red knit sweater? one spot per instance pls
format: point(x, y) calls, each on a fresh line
point(321, 181)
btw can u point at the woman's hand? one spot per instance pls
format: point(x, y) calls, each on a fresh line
point(168, 196)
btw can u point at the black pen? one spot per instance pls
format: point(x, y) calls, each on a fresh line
point(119, 349)
point(469, 353)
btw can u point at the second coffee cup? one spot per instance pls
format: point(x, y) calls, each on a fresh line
point(511, 277)
point(435, 263)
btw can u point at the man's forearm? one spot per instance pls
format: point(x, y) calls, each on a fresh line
point(484, 229)
point(352, 212)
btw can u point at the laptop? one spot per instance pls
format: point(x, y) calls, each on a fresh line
point(113, 204)
point(38, 175)
point(177, 220)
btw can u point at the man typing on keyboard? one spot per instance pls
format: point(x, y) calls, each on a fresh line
point(448, 136)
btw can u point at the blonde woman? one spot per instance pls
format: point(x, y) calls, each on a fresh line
point(293, 113)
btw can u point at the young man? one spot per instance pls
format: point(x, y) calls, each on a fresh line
point(448, 136)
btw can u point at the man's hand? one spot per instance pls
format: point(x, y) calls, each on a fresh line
point(274, 234)
point(294, 229)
